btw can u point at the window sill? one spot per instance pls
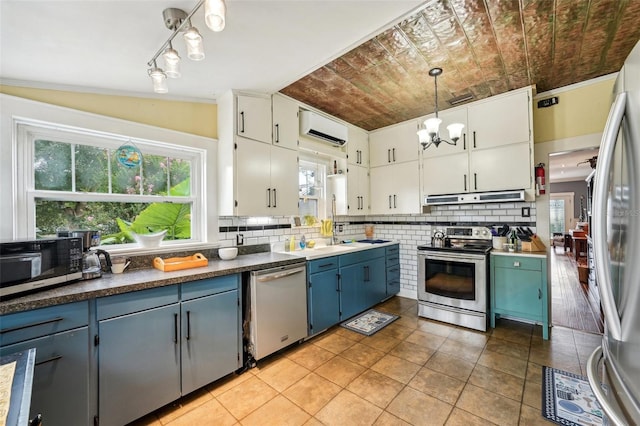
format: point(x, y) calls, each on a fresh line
point(134, 249)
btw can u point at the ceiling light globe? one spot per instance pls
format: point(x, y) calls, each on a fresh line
point(171, 62)
point(432, 125)
point(193, 40)
point(214, 14)
point(159, 80)
point(423, 136)
point(455, 131)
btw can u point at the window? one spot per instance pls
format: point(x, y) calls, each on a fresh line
point(81, 179)
point(311, 179)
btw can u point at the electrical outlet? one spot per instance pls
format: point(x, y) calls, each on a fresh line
point(526, 212)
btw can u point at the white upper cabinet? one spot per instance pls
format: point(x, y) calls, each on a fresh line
point(505, 167)
point(285, 122)
point(500, 120)
point(357, 190)
point(395, 189)
point(450, 116)
point(358, 147)
point(253, 117)
point(394, 144)
point(448, 174)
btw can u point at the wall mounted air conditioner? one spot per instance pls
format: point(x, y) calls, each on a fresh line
point(475, 197)
point(320, 127)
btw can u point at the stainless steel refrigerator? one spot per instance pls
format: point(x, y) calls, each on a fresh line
point(616, 239)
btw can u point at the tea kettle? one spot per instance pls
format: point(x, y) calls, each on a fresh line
point(438, 239)
point(91, 266)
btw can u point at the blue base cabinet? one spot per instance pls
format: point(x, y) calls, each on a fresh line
point(392, 254)
point(362, 281)
point(323, 294)
point(519, 289)
point(60, 334)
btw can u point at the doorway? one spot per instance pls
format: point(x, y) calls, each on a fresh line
point(570, 297)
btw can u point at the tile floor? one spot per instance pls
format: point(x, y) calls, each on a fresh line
point(413, 372)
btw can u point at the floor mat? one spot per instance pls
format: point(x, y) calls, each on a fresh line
point(567, 399)
point(369, 322)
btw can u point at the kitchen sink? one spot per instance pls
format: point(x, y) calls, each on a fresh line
point(373, 241)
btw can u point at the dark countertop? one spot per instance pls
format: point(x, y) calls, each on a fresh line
point(110, 284)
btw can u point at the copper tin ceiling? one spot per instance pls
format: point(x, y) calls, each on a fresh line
point(485, 48)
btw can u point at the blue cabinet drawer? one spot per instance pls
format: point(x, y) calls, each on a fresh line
point(321, 265)
point(41, 322)
point(361, 256)
point(208, 287)
point(393, 273)
point(517, 262)
point(393, 251)
point(127, 303)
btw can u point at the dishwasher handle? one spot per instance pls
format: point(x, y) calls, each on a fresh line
point(277, 275)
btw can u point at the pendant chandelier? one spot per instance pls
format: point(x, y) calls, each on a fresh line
point(429, 133)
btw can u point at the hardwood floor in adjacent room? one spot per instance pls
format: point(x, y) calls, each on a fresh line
point(572, 303)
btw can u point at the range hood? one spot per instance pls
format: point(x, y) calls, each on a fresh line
point(320, 127)
point(475, 197)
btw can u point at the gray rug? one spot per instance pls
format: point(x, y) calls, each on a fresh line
point(369, 322)
point(567, 399)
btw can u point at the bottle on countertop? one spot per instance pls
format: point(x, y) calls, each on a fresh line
point(303, 242)
point(292, 243)
point(513, 239)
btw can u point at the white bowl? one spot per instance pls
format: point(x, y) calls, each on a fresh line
point(228, 253)
point(149, 240)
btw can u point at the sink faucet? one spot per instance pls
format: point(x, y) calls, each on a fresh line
point(334, 238)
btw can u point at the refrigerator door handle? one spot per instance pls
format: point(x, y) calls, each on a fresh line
point(592, 374)
point(605, 159)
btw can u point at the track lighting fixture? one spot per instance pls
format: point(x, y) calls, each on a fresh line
point(178, 20)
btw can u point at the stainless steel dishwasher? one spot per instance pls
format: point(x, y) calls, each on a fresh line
point(278, 309)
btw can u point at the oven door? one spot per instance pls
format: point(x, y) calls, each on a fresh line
point(453, 279)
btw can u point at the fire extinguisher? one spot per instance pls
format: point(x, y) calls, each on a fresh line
point(540, 178)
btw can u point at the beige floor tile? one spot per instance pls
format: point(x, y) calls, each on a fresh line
point(334, 343)
point(532, 417)
point(513, 335)
point(438, 385)
point(555, 346)
point(349, 334)
point(362, 354)
point(498, 382)
point(226, 383)
point(348, 409)
point(396, 368)
point(461, 350)
point(396, 331)
point(411, 352)
point(508, 348)
point(375, 388)
point(408, 321)
point(311, 356)
point(388, 419)
point(450, 365)
point(470, 337)
point(313, 422)
point(556, 359)
point(504, 363)
point(282, 374)
point(312, 393)
point(460, 417)
point(534, 372)
point(532, 394)
point(418, 408)
point(488, 405)
point(381, 342)
point(183, 405)
point(340, 371)
point(587, 339)
point(427, 340)
point(279, 411)
point(246, 397)
point(212, 411)
point(439, 329)
point(148, 420)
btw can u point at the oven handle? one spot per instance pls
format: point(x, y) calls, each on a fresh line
point(450, 255)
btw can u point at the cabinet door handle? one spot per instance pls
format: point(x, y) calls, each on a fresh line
point(325, 265)
point(516, 264)
point(241, 121)
point(394, 154)
point(188, 325)
point(366, 273)
point(474, 138)
point(539, 294)
point(465, 182)
point(33, 324)
point(464, 141)
point(395, 205)
point(277, 133)
point(338, 282)
point(275, 198)
point(388, 156)
point(53, 358)
point(475, 181)
point(359, 157)
point(389, 201)
point(268, 197)
point(175, 328)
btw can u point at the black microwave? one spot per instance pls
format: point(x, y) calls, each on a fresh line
point(30, 265)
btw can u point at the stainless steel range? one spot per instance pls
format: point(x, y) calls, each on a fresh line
point(453, 276)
